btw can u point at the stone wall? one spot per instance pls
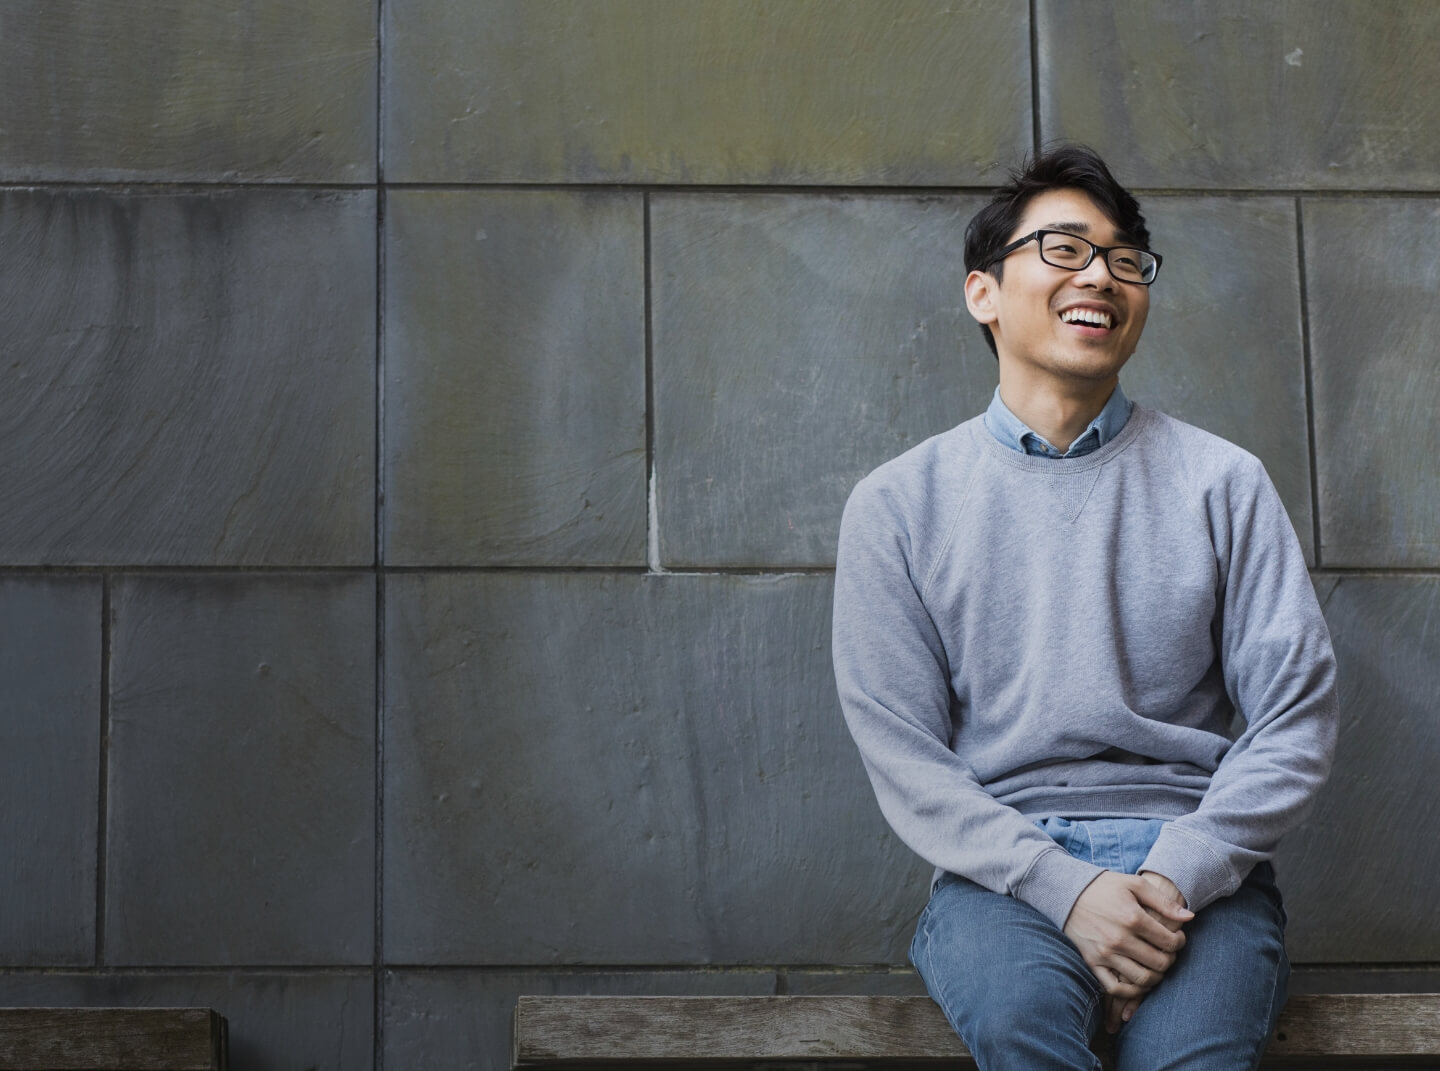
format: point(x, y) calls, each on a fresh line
point(424, 437)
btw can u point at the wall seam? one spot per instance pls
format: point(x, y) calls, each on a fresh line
point(103, 774)
point(652, 493)
point(377, 975)
point(451, 569)
point(1307, 365)
point(209, 569)
point(1034, 80)
point(378, 954)
point(828, 189)
point(571, 970)
point(187, 969)
point(566, 970)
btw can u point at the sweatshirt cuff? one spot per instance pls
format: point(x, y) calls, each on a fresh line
point(1201, 875)
point(1054, 882)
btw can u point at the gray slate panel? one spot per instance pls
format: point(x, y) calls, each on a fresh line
point(174, 90)
point(1372, 275)
point(1326, 94)
point(1364, 980)
point(515, 378)
point(49, 768)
point(242, 771)
point(1360, 875)
point(777, 91)
point(451, 1019)
point(319, 1021)
point(901, 982)
point(798, 343)
point(627, 769)
point(1222, 348)
point(191, 377)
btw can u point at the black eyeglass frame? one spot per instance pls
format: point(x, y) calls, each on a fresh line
point(1106, 250)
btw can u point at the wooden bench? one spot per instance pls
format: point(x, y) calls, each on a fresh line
point(855, 1033)
point(113, 1039)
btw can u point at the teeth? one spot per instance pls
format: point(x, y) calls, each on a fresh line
point(1086, 316)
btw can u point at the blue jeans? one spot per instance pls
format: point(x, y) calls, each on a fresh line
point(1022, 999)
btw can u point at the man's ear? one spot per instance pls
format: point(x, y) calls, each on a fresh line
point(980, 289)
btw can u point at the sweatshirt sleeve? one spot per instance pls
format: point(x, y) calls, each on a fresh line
point(1279, 671)
point(893, 674)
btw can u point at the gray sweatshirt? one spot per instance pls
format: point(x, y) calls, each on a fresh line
point(1018, 637)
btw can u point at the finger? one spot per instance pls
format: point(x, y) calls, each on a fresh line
point(1128, 1011)
point(1170, 924)
point(1160, 903)
point(1141, 977)
point(1130, 949)
point(1135, 974)
point(1151, 931)
point(1116, 986)
point(1113, 1011)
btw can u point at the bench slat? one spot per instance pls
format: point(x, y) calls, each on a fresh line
point(1374, 1025)
point(577, 1032)
point(561, 1030)
point(113, 1039)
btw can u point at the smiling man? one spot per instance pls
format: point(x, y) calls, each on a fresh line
point(1078, 648)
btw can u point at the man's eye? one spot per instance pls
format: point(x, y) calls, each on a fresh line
point(1123, 261)
point(1063, 247)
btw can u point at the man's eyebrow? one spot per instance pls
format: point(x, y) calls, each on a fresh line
point(1121, 237)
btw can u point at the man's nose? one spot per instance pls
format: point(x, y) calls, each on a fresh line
point(1096, 274)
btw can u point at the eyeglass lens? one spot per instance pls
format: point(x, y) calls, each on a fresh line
point(1073, 253)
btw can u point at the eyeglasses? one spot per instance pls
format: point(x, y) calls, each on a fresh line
point(1061, 249)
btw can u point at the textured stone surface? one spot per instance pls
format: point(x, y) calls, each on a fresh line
point(189, 377)
point(901, 982)
point(775, 91)
point(1359, 876)
point(1359, 980)
point(625, 769)
point(49, 768)
point(798, 343)
point(1372, 277)
point(188, 89)
point(242, 771)
point(1222, 348)
point(1219, 93)
point(320, 1021)
point(515, 378)
point(463, 1019)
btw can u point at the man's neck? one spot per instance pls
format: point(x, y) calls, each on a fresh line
point(1059, 413)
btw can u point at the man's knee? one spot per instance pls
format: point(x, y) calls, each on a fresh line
point(1223, 996)
point(1002, 972)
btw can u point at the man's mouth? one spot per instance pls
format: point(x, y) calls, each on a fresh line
point(1088, 317)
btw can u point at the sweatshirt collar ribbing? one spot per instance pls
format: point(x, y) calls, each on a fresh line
point(1140, 419)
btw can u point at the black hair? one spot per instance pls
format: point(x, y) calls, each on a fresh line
point(1075, 167)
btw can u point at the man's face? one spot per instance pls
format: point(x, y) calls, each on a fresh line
point(1032, 313)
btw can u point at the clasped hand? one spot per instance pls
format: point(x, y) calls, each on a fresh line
point(1127, 927)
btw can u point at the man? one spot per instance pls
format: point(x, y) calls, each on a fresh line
point(1046, 620)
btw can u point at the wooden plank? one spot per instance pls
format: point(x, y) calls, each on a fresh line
point(581, 1032)
point(560, 1030)
point(1373, 1025)
point(112, 1039)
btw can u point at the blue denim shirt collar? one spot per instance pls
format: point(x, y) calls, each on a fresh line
point(1011, 431)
